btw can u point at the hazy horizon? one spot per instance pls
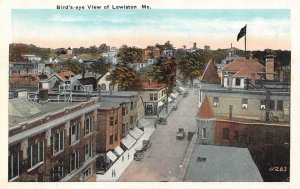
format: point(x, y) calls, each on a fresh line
point(217, 28)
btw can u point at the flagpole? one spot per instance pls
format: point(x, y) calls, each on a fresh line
point(245, 40)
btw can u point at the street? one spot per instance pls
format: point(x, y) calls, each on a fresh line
point(162, 161)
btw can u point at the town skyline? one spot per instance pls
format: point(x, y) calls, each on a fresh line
point(215, 28)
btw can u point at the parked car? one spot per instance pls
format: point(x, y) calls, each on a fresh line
point(161, 120)
point(138, 155)
point(180, 134)
point(146, 144)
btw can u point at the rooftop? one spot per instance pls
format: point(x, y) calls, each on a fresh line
point(120, 93)
point(153, 85)
point(222, 164)
point(21, 109)
point(205, 111)
point(241, 62)
point(210, 74)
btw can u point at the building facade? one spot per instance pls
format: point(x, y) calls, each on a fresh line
point(59, 145)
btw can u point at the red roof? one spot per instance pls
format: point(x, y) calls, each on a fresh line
point(247, 72)
point(205, 111)
point(65, 74)
point(240, 63)
point(210, 74)
point(153, 85)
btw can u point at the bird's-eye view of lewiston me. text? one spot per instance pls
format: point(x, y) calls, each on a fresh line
point(159, 95)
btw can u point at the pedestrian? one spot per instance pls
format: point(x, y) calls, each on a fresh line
point(112, 173)
point(128, 155)
point(155, 125)
point(122, 158)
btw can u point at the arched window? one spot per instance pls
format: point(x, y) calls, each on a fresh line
point(111, 87)
point(103, 87)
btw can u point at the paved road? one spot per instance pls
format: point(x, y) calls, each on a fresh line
point(162, 160)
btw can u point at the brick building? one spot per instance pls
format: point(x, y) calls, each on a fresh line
point(53, 141)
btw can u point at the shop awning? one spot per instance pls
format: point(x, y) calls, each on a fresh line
point(136, 133)
point(119, 150)
point(181, 88)
point(128, 141)
point(160, 103)
point(142, 123)
point(170, 99)
point(174, 95)
point(111, 156)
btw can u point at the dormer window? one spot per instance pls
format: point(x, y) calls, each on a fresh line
point(237, 82)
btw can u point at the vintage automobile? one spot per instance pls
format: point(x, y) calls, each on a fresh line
point(161, 120)
point(180, 134)
point(138, 155)
point(186, 93)
point(146, 144)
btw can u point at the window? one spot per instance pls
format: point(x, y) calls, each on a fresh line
point(103, 87)
point(111, 139)
point(203, 133)
point(131, 105)
point(216, 101)
point(116, 119)
point(116, 137)
point(111, 87)
point(88, 172)
point(244, 103)
point(131, 119)
point(227, 81)
point(279, 105)
point(272, 105)
point(111, 123)
point(35, 153)
point(75, 133)
point(13, 165)
point(153, 97)
point(88, 148)
point(236, 135)
point(262, 104)
point(74, 160)
point(123, 130)
point(225, 134)
point(88, 126)
point(123, 111)
point(58, 171)
point(237, 82)
point(58, 142)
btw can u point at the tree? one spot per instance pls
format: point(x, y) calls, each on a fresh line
point(129, 55)
point(126, 78)
point(100, 66)
point(165, 72)
point(191, 65)
point(74, 66)
point(103, 48)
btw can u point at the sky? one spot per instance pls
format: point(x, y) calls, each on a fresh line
point(218, 28)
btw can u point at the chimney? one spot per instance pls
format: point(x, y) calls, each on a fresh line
point(150, 81)
point(43, 96)
point(270, 67)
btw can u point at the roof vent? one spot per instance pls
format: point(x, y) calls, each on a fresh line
point(201, 159)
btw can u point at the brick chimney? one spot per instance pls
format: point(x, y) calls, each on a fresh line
point(270, 67)
point(150, 82)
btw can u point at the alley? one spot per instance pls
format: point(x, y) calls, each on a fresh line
point(162, 161)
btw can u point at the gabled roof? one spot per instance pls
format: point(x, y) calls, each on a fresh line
point(247, 72)
point(240, 63)
point(205, 111)
point(58, 76)
point(89, 81)
point(210, 74)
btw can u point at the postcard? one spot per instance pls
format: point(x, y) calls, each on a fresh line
point(149, 94)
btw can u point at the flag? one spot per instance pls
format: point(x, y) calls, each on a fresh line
point(242, 33)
